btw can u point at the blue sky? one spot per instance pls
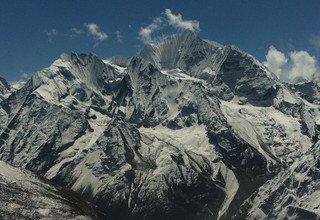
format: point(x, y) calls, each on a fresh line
point(33, 33)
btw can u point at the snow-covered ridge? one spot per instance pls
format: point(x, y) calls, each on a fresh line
point(187, 52)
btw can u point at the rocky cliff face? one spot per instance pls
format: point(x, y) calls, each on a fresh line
point(292, 193)
point(189, 129)
point(4, 88)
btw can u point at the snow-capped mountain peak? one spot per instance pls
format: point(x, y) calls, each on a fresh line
point(187, 129)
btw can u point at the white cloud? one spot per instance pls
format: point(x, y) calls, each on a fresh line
point(74, 32)
point(303, 65)
point(275, 61)
point(51, 34)
point(119, 36)
point(296, 66)
point(177, 21)
point(94, 30)
point(170, 19)
point(25, 77)
point(146, 32)
point(315, 41)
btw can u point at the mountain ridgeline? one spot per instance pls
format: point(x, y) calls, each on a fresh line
point(189, 129)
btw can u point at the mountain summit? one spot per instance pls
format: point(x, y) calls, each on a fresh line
point(189, 129)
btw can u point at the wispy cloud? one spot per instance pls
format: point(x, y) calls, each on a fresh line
point(145, 33)
point(293, 67)
point(167, 18)
point(178, 22)
point(94, 30)
point(74, 32)
point(51, 34)
point(25, 77)
point(119, 36)
point(315, 41)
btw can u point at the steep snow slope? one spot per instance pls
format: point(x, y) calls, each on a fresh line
point(187, 52)
point(268, 130)
point(84, 77)
point(188, 130)
point(24, 196)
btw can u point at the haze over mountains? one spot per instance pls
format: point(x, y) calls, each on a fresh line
point(189, 129)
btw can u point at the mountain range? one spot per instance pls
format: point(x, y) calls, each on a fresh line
point(188, 129)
